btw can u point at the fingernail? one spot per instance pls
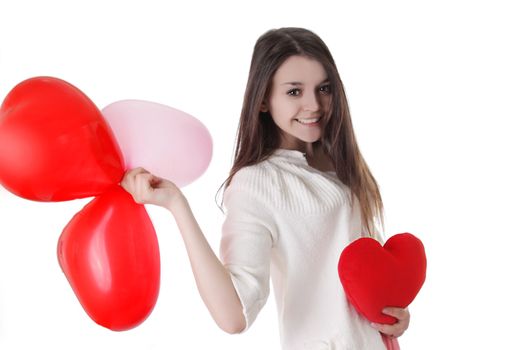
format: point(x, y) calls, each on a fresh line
point(374, 325)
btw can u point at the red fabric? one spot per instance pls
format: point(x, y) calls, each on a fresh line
point(390, 343)
point(375, 277)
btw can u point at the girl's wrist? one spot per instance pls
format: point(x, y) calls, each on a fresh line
point(177, 202)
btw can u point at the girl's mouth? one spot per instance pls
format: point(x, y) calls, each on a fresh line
point(308, 121)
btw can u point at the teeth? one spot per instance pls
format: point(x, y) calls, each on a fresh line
point(308, 121)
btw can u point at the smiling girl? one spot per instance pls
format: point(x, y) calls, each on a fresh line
point(298, 193)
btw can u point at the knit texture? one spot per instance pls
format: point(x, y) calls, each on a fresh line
point(289, 222)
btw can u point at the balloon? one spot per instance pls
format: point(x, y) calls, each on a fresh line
point(54, 143)
point(110, 256)
point(375, 277)
point(165, 141)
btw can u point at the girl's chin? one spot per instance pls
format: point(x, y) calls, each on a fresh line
point(298, 137)
point(308, 139)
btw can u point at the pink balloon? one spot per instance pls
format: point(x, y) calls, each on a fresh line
point(167, 142)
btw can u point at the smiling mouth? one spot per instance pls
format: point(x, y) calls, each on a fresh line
point(308, 121)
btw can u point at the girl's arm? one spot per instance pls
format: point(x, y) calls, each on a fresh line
point(213, 279)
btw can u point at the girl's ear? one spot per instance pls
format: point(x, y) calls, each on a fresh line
point(264, 107)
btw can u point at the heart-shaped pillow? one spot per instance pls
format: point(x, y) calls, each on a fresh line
point(375, 277)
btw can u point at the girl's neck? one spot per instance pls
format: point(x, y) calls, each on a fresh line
point(308, 149)
point(315, 155)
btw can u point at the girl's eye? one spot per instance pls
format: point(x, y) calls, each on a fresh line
point(325, 89)
point(294, 92)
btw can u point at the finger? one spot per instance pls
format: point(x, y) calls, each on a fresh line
point(383, 328)
point(130, 176)
point(399, 313)
point(137, 184)
point(391, 330)
point(136, 171)
point(144, 182)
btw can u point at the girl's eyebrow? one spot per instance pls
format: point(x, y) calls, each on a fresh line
point(298, 83)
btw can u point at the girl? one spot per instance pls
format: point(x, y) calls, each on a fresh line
point(298, 193)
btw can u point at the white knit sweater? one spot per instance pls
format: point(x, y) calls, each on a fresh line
point(290, 221)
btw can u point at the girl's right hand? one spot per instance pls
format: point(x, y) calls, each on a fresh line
point(147, 188)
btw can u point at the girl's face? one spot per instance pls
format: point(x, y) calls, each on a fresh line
point(299, 100)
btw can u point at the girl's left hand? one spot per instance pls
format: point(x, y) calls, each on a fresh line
point(397, 329)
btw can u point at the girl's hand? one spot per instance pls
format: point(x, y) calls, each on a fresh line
point(147, 188)
point(398, 328)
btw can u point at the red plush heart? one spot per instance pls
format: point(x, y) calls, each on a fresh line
point(110, 256)
point(55, 144)
point(376, 277)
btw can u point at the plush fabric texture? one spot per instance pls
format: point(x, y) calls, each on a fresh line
point(375, 277)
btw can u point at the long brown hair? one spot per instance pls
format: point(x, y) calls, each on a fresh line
point(258, 136)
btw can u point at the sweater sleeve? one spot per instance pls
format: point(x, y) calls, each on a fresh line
point(246, 248)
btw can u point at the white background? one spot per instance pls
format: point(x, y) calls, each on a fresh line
point(436, 91)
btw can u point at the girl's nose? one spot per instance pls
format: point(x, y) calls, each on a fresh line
point(310, 102)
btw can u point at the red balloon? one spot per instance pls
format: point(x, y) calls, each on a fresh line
point(110, 255)
point(375, 277)
point(54, 143)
